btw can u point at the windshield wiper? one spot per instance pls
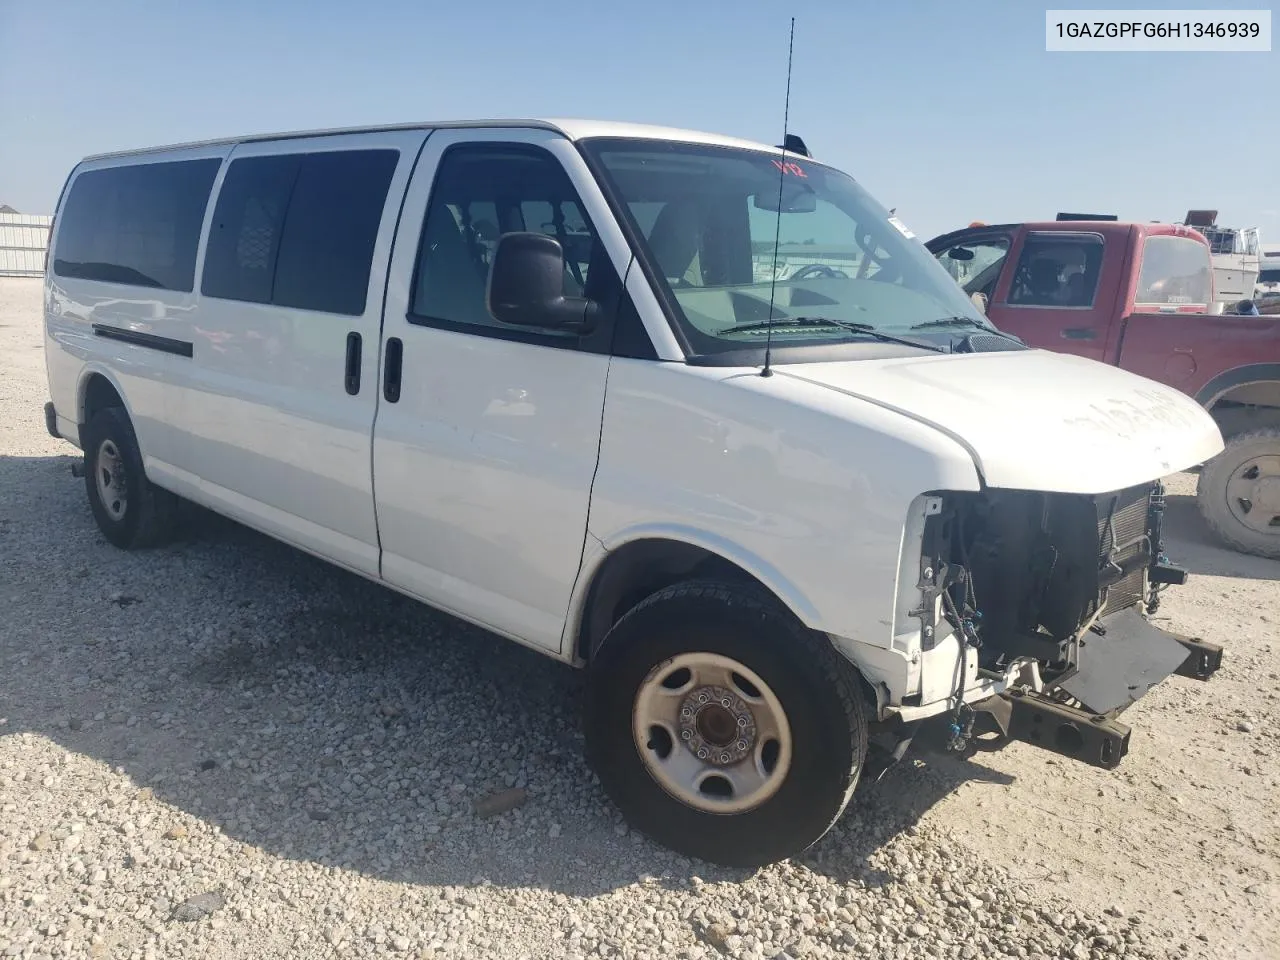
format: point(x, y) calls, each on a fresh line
point(959, 321)
point(956, 321)
point(866, 329)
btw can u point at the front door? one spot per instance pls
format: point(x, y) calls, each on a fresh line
point(1060, 293)
point(487, 435)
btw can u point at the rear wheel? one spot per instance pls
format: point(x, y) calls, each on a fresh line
point(130, 511)
point(1239, 493)
point(721, 727)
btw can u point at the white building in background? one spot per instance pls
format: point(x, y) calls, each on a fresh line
point(24, 238)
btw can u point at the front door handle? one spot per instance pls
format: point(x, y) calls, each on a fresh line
point(391, 370)
point(1079, 333)
point(352, 379)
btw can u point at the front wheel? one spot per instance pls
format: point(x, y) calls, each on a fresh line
point(721, 727)
point(1239, 493)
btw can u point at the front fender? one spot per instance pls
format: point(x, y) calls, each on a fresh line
point(806, 489)
point(599, 550)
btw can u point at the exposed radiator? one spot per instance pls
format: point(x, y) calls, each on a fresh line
point(1122, 539)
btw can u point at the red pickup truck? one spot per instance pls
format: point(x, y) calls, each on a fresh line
point(1135, 295)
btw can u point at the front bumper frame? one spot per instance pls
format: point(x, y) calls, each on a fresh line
point(1098, 739)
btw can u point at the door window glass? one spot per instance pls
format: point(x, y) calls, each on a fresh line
point(299, 230)
point(1057, 270)
point(481, 192)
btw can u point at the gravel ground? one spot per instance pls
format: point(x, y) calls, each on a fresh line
point(227, 748)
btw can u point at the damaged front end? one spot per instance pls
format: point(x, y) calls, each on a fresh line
point(1043, 600)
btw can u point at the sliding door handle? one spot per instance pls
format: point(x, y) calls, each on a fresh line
point(391, 370)
point(1079, 333)
point(352, 380)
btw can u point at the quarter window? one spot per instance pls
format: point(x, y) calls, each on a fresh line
point(137, 224)
point(1057, 270)
point(299, 230)
point(480, 193)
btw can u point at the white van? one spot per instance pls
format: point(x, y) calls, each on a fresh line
point(693, 413)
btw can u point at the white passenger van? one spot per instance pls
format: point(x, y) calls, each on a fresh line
point(695, 414)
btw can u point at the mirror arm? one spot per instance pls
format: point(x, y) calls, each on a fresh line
point(577, 314)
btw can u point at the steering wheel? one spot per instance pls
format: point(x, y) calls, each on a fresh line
point(818, 270)
point(887, 271)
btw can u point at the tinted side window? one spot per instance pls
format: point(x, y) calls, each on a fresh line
point(244, 238)
point(480, 193)
point(299, 230)
point(137, 224)
point(1057, 270)
point(327, 246)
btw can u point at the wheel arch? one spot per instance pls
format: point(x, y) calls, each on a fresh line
point(1243, 399)
point(1241, 385)
point(630, 568)
point(98, 389)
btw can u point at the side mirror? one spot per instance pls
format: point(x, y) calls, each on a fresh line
point(526, 285)
point(979, 300)
point(963, 254)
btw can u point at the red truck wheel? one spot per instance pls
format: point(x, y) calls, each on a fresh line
point(1239, 493)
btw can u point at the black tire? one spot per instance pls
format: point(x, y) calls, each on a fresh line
point(147, 514)
point(818, 691)
point(1211, 492)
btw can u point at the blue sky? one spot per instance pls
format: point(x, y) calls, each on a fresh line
point(949, 111)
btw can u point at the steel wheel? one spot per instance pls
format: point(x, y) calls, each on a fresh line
point(1253, 494)
point(737, 765)
point(712, 733)
point(110, 476)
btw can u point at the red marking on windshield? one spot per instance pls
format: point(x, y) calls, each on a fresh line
point(790, 169)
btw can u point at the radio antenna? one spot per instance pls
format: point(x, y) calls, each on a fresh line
point(777, 230)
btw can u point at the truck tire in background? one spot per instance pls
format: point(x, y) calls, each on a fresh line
point(1239, 493)
point(723, 728)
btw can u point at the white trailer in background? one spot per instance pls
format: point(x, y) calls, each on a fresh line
point(23, 240)
point(1236, 259)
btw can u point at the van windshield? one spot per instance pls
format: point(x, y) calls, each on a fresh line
point(706, 218)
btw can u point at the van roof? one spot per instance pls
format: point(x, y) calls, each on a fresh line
point(570, 128)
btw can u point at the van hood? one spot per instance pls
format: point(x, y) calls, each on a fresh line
point(1035, 420)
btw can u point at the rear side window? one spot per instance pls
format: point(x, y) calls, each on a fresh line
point(299, 230)
point(1175, 270)
point(1057, 270)
point(137, 225)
